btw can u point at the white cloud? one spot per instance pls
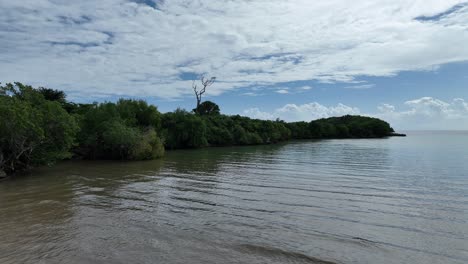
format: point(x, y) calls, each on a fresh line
point(361, 87)
point(256, 113)
point(126, 48)
point(250, 94)
point(304, 112)
point(306, 88)
point(386, 108)
point(422, 113)
point(282, 91)
point(427, 113)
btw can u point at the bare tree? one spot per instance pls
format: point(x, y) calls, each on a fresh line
point(205, 83)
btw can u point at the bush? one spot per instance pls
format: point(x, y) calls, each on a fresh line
point(33, 130)
point(125, 130)
point(148, 147)
point(182, 129)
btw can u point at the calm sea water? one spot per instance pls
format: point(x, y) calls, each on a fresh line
point(396, 200)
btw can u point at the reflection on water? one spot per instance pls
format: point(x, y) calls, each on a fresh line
point(398, 200)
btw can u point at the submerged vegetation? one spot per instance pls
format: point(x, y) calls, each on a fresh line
point(40, 127)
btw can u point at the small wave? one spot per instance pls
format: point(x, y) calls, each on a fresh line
point(49, 202)
point(281, 255)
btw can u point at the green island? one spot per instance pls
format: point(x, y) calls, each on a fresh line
point(38, 126)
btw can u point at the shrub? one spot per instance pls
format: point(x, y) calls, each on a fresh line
point(33, 130)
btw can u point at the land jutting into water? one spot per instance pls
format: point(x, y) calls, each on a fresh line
point(38, 126)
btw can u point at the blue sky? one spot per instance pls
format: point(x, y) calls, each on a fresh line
point(403, 61)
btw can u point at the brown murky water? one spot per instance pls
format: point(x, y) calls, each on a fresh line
point(398, 200)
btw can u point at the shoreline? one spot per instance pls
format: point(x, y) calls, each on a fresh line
point(4, 176)
point(397, 135)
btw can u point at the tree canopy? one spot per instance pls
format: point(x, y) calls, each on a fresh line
point(33, 130)
point(207, 108)
point(40, 127)
point(123, 130)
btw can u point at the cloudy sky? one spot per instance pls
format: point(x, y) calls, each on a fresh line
point(404, 61)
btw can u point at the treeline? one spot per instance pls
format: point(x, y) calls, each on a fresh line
point(39, 127)
point(341, 127)
point(182, 129)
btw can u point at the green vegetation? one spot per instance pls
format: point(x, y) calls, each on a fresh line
point(207, 108)
point(125, 130)
point(341, 127)
point(33, 130)
point(40, 127)
point(182, 129)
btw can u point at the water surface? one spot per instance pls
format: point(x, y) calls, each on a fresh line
point(396, 200)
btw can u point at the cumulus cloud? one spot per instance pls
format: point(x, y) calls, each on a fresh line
point(282, 91)
point(422, 113)
point(427, 113)
point(386, 108)
point(304, 112)
point(146, 47)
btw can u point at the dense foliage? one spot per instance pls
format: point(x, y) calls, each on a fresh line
point(237, 130)
point(207, 108)
point(123, 130)
point(39, 126)
point(341, 127)
point(181, 129)
point(33, 130)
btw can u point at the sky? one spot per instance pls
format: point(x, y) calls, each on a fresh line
point(403, 61)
